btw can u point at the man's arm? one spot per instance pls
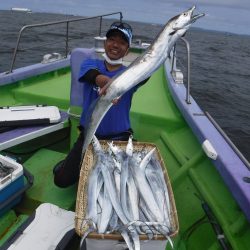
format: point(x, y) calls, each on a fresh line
point(90, 76)
point(95, 77)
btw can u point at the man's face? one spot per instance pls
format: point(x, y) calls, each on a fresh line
point(116, 47)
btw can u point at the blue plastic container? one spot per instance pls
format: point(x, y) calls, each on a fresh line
point(10, 185)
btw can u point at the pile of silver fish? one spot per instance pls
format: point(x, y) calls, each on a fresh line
point(127, 194)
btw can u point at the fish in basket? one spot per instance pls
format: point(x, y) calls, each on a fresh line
point(124, 193)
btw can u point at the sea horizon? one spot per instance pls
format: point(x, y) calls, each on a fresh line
point(129, 20)
point(221, 16)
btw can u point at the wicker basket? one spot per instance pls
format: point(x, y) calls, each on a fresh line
point(81, 202)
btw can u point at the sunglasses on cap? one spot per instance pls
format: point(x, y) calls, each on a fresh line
point(121, 25)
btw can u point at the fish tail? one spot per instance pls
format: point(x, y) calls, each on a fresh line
point(88, 113)
point(87, 122)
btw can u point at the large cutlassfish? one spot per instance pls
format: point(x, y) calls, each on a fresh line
point(142, 68)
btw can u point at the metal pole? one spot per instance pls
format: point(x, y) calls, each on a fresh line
point(121, 16)
point(100, 26)
point(173, 58)
point(53, 23)
point(67, 41)
point(16, 49)
point(188, 70)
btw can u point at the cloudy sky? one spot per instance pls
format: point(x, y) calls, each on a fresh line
point(222, 15)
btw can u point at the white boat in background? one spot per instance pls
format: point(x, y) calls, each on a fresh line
point(21, 9)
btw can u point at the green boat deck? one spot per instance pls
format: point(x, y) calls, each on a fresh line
point(155, 118)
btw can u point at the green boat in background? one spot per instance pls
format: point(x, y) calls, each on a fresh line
point(208, 175)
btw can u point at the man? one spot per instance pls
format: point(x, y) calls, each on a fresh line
point(95, 74)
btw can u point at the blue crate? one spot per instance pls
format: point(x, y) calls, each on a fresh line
point(10, 185)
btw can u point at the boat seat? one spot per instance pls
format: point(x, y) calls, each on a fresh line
point(19, 135)
point(78, 55)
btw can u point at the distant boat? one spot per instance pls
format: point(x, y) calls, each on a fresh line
point(21, 9)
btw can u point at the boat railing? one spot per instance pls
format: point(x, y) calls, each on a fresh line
point(187, 46)
point(66, 35)
point(188, 95)
point(175, 70)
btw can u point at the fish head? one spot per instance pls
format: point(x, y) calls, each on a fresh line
point(129, 148)
point(96, 144)
point(180, 23)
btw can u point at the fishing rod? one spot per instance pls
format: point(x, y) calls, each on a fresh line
point(215, 225)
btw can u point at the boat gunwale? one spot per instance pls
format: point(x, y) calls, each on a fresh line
point(32, 70)
point(228, 164)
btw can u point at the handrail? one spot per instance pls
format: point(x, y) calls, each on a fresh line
point(216, 125)
point(188, 67)
point(66, 35)
point(173, 59)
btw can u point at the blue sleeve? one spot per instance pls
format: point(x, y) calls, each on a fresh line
point(86, 66)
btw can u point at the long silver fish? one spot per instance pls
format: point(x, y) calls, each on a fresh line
point(144, 187)
point(140, 69)
point(106, 210)
point(157, 182)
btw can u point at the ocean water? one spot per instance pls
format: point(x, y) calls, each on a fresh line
point(220, 62)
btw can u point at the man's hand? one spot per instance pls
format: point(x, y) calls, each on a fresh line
point(116, 100)
point(102, 80)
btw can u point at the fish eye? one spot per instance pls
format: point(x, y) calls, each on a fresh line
point(185, 13)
